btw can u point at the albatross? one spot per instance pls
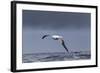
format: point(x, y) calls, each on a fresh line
point(57, 37)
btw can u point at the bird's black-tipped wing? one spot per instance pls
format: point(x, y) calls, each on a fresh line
point(63, 44)
point(45, 36)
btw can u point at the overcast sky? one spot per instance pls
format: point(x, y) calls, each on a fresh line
point(74, 27)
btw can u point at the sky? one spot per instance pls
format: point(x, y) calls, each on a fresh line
point(74, 27)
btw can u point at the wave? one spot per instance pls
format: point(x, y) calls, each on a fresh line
point(55, 56)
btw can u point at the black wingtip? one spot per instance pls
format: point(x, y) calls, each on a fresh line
point(63, 44)
point(44, 36)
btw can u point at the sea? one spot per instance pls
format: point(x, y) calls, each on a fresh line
point(55, 56)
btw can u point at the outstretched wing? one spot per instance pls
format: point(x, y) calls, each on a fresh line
point(63, 44)
point(45, 36)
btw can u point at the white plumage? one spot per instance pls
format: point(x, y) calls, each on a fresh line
point(56, 36)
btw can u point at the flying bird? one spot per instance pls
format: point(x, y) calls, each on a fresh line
point(57, 37)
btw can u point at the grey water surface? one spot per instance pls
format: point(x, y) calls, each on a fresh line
point(57, 56)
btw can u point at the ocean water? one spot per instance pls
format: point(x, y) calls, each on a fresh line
point(56, 56)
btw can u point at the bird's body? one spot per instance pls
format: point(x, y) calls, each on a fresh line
point(57, 37)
